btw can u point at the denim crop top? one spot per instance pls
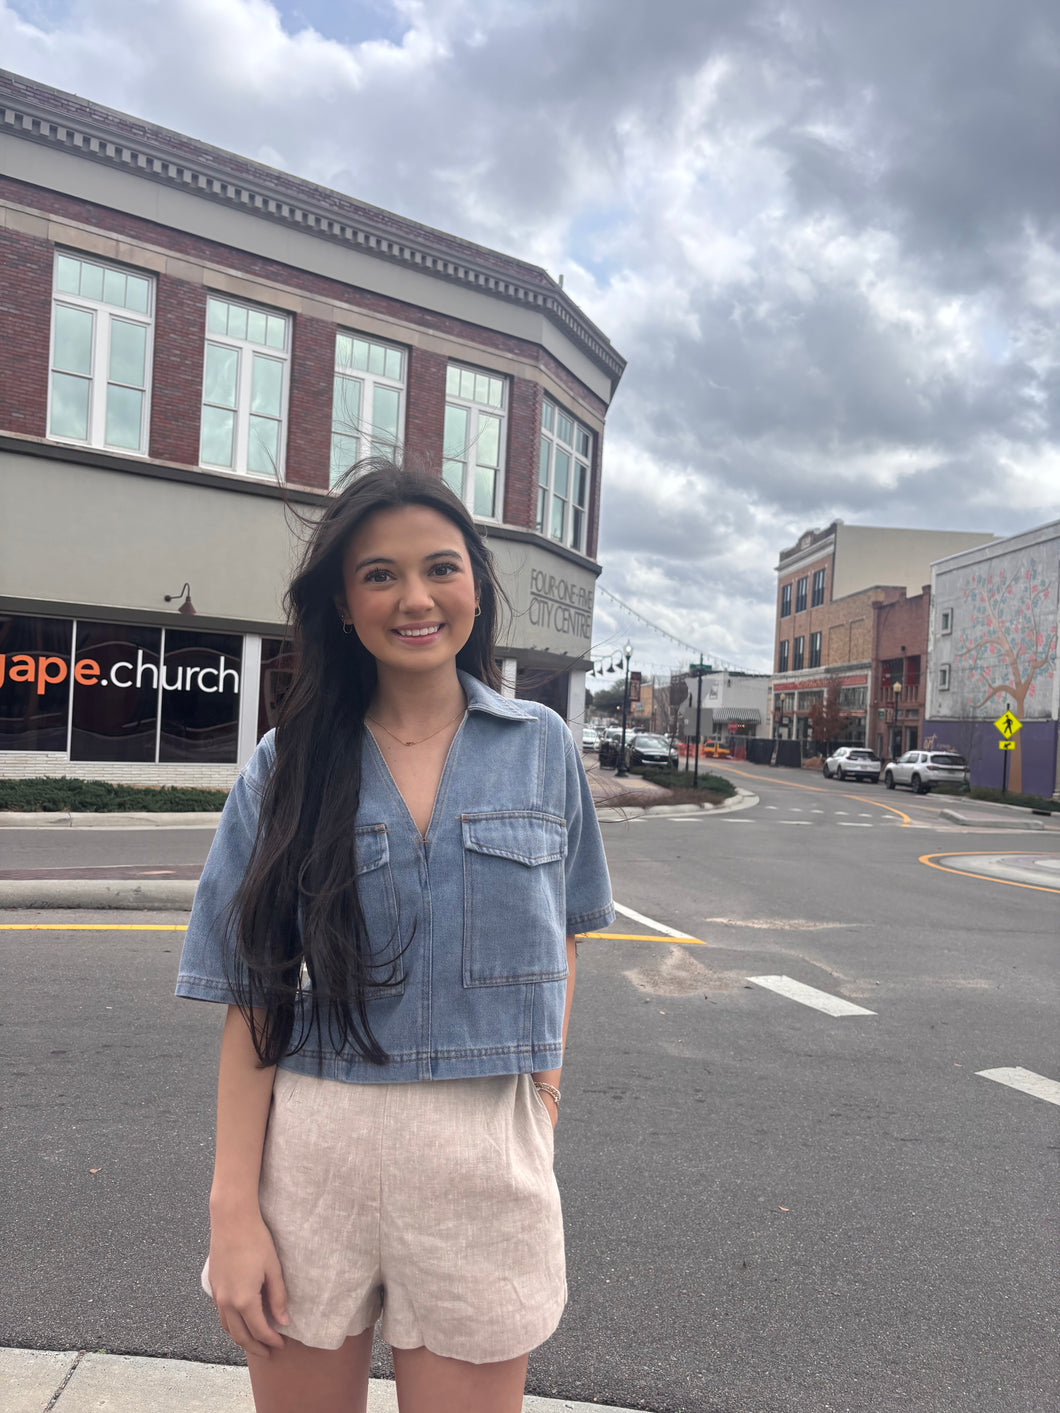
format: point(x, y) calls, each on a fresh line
point(512, 863)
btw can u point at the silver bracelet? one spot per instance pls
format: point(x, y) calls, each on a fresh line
point(544, 1088)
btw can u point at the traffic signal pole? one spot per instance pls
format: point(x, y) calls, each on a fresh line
point(699, 705)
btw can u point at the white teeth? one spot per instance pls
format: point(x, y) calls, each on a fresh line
point(418, 632)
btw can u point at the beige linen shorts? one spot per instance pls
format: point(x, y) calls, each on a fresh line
point(432, 1204)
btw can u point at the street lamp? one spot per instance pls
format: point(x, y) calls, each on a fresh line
point(627, 653)
point(896, 740)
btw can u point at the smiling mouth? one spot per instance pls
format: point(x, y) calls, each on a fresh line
point(417, 634)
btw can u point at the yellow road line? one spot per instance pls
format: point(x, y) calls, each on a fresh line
point(640, 937)
point(986, 877)
point(92, 927)
point(823, 790)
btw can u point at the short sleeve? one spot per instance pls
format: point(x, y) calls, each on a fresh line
point(589, 904)
point(207, 962)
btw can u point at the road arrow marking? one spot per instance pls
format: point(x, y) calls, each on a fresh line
point(810, 996)
point(1026, 1081)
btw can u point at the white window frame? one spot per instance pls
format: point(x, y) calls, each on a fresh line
point(946, 624)
point(363, 433)
point(815, 646)
point(944, 677)
point(246, 349)
point(549, 443)
point(466, 461)
point(103, 315)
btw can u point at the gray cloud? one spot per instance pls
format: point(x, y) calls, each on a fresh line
point(826, 236)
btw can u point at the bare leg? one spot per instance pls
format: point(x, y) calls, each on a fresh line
point(298, 1377)
point(430, 1383)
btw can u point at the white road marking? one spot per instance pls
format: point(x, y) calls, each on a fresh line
point(840, 811)
point(650, 922)
point(864, 814)
point(795, 821)
point(817, 811)
point(772, 807)
point(810, 996)
point(796, 809)
point(1026, 1081)
point(853, 824)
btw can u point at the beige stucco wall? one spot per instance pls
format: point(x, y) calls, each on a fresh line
point(82, 535)
point(552, 599)
point(866, 555)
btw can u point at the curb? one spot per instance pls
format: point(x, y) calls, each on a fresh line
point(132, 819)
point(150, 895)
point(32, 1380)
point(989, 821)
point(742, 800)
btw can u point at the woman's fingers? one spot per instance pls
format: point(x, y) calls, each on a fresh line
point(237, 1330)
point(275, 1293)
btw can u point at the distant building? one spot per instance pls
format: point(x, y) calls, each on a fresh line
point(733, 705)
point(832, 586)
point(992, 649)
point(193, 349)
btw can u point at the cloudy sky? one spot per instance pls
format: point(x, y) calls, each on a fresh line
point(825, 234)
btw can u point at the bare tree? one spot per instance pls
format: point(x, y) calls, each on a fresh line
point(827, 722)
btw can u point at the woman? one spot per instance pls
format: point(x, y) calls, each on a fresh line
point(389, 910)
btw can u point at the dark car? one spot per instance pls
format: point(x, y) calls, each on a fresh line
point(651, 750)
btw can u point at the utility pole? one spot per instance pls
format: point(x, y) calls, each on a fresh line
point(698, 669)
point(622, 771)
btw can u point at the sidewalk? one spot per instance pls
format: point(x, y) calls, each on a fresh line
point(72, 1381)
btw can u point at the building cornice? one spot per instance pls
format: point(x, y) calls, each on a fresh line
point(36, 113)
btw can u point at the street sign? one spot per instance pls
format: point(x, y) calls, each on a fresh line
point(1008, 725)
point(697, 669)
point(635, 680)
point(1006, 745)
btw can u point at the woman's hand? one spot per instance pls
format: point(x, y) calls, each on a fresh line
point(247, 1284)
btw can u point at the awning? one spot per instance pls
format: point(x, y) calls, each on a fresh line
point(749, 716)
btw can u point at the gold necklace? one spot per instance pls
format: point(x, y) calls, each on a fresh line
point(420, 742)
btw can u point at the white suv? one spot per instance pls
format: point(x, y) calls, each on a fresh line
point(922, 769)
point(852, 763)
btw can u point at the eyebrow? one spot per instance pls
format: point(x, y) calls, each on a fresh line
point(380, 559)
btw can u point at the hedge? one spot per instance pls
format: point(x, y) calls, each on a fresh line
point(682, 780)
point(62, 794)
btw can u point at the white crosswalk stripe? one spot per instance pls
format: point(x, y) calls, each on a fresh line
point(810, 996)
point(1026, 1081)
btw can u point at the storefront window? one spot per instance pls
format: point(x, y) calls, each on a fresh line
point(537, 684)
point(34, 683)
point(277, 674)
point(115, 714)
point(140, 694)
point(200, 696)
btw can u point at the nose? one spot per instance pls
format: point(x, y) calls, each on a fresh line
point(417, 596)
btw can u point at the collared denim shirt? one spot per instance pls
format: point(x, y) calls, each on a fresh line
point(512, 862)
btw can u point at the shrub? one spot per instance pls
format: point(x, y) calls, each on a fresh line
point(682, 780)
point(63, 794)
point(1031, 802)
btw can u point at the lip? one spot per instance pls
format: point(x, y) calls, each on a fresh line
point(426, 638)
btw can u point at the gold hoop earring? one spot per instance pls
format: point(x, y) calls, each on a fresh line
point(478, 610)
point(347, 629)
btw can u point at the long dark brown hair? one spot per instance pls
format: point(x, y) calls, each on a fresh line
point(297, 903)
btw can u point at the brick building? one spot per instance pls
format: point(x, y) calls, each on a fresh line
point(840, 592)
point(193, 348)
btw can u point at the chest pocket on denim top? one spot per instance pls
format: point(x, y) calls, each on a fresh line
point(375, 888)
point(514, 913)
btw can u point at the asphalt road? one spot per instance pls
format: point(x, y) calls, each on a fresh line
point(768, 1208)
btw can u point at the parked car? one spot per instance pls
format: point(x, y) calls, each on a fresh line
point(590, 739)
point(646, 749)
point(852, 763)
point(920, 770)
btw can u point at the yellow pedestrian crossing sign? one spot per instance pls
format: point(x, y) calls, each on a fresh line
point(1006, 745)
point(1008, 725)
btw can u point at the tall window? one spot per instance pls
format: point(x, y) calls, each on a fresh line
point(367, 402)
point(563, 477)
point(817, 595)
point(785, 601)
point(782, 657)
point(815, 649)
point(473, 449)
point(102, 320)
point(800, 595)
point(798, 654)
point(244, 389)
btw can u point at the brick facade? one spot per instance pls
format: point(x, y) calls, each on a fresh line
point(425, 410)
point(25, 332)
point(524, 434)
point(899, 656)
point(176, 382)
point(309, 415)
